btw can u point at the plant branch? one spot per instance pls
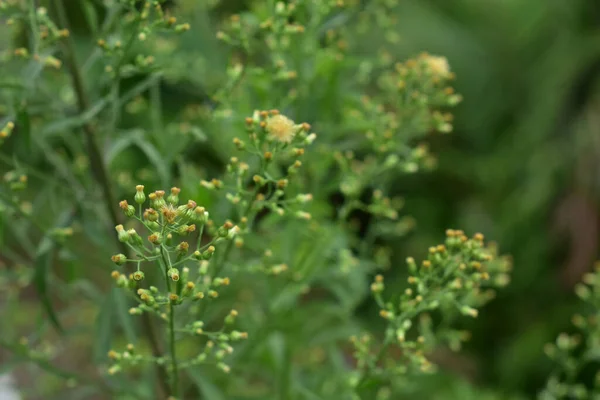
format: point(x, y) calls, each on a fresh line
point(98, 168)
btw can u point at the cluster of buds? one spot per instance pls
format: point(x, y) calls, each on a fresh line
point(218, 344)
point(169, 224)
point(6, 131)
point(15, 180)
point(279, 143)
point(128, 358)
point(573, 353)
point(46, 32)
point(455, 277)
point(280, 30)
point(139, 24)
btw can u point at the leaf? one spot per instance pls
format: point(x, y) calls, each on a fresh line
point(123, 315)
point(43, 262)
point(90, 14)
point(156, 159)
point(139, 88)
point(31, 72)
point(23, 132)
point(104, 327)
point(208, 389)
point(63, 124)
point(136, 137)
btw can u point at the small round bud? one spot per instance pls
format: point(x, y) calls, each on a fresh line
point(139, 197)
point(119, 259)
point(122, 234)
point(173, 273)
point(138, 275)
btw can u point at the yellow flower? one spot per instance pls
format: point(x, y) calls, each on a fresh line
point(281, 128)
point(438, 66)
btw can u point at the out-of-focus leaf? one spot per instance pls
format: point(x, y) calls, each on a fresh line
point(124, 317)
point(136, 137)
point(23, 123)
point(104, 327)
point(208, 389)
point(43, 263)
point(139, 88)
point(63, 124)
point(90, 14)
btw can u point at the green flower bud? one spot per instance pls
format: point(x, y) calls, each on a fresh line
point(173, 273)
point(119, 259)
point(139, 197)
point(153, 226)
point(138, 275)
point(122, 234)
point(128, 210)
point(208, 253)
point(155, 238)
point(237, 335)
point(174, 196)
point(469, 311)
point(134, 237)
point(230, 318)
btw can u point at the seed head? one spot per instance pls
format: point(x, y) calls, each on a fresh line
point(281, 128)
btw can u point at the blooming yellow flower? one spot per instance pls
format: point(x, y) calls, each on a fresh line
point(438, 66)
point(281, 128)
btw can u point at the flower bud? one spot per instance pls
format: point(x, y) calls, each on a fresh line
point(155, 238)
point(122, 234)
point(119, 259)
point(182, 248)
point(237, 335)
point(138, 275)
point(128, 210)
point(139, 197)
point(469, 311)
point(174, 196)
point(208, 253)
point(173, 273)
point(158, 200)
point(134, 237)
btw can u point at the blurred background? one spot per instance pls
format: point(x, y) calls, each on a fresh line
point(522, 165)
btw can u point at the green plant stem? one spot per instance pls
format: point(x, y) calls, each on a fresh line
point(221, 263)
point(172, 347)
point(98, 168)
point(175, 384)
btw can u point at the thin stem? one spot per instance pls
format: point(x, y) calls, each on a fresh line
point(172, 347)
point(221, 263)
point(175, 384)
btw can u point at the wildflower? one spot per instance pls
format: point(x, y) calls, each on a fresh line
point(281, 128)
point(438, 66)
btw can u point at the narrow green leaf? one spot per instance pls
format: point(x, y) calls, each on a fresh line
point(63, 124)
point(124, 318)
point(104, 327)
point(90, 14)
point(209, 390)
point(23, 123)
point(136, 137)
point(156, 159)
point(43, 263)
